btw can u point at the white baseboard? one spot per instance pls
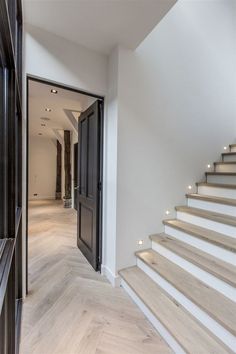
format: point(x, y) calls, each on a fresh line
point(113, 279)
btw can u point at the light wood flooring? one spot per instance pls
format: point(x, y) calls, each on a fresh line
point(70, 308)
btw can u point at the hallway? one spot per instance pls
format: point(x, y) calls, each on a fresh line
point(70, 308)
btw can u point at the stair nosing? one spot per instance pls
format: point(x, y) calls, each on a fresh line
point(216, 185)
point(183, 291)
point(198, 235)
point(211, 173)
point(225, 163)
point(176, 303)
point(207, 214)
point(182, 244)
point(212, 199)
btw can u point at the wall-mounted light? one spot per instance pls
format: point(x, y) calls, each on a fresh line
point(140, 242)
point(48, 109)
point(190, 187)
point(208, 166)
point(225, 147)
point(54, 91)
point(167, 212)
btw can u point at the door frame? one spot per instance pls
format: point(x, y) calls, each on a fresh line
point(101, 205)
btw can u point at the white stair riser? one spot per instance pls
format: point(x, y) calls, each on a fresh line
point(217, 207)
point(207, 224)
point(218, 330)
point(221, 179)
point(217, 192)
point(225, 168)
point(229, 158)
point(233, 149)
point(205, 246)
point(207, 278)
point(155, 322)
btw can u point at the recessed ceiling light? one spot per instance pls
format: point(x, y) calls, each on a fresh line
point(40, 134)
point(54, 91)
point(45, 119)
point(43, 125)
point(48, 109)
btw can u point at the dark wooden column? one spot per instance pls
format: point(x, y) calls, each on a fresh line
point(67, 166)
point(58, 180)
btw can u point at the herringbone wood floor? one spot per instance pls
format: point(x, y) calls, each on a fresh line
point(70, 308)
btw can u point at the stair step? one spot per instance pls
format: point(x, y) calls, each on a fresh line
point(216, 185)
point(221, 177)
point(227, 166)
point(211, 264)
point(217, 217)
point(209, 300)
point(212, 199)
point(229, 156)
point(218, 239)
point(186, 331)
point(232, 147)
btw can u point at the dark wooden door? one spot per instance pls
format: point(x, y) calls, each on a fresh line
point(75, 174)
point(89, 184)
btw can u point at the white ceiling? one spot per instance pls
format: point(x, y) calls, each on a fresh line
point(40, 97)
point(98, 24)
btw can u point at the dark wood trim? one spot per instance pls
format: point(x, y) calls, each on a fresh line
point(101, 105)
point(63, 86)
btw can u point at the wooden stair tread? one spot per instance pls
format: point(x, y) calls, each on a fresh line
point(216, 185)
point(229, 153)
point(186, 331)
point(213, 199)
point(211, 173)
point(211, 236)
point(225, 163)
point(206, 214)
point(211, 264)
point(218, 306)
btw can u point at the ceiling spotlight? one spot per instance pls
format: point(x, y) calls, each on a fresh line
point(190, 187)
point(40, 134)
point(48, 109)
point(43, 125)
point(54, 91)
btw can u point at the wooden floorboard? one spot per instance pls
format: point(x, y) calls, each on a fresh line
point(70, 308)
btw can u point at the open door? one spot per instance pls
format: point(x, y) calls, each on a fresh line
point(89, 184)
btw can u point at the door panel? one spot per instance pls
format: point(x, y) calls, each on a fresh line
point(89, 182)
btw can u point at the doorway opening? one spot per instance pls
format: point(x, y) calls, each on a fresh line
point(64, 165)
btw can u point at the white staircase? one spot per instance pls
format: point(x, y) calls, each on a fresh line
point(186, 283)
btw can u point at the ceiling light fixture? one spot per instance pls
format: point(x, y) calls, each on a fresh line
point(48, 109)
point(40, 134)
point(43, 125)
point(54, 91)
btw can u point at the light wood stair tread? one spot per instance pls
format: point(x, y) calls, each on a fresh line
point(211, 236)
point(186, 331)
point(216, 185)
point(211, 264)
point(206, 214)
point(213, 199)
point(211, 173)
point(225, 163)
point(218, 306)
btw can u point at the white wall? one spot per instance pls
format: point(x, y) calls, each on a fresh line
point(42, 168)
point(176, 111)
